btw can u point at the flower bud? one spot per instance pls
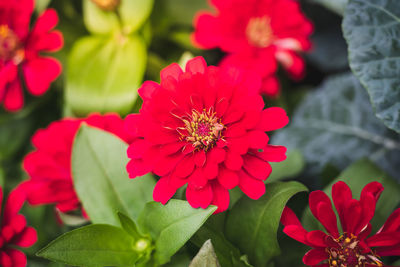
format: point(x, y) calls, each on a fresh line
point(107, 5)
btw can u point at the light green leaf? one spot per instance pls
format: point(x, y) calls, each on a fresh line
point(93, 245)
point(336, 125)
point(171, 225)
point(133, 14)
point(372, 31)
point(106, 70)
point(252, 225)
point(337, 6)
point(100, 178)
point(206, 256)
point(356, 177)
point(292, 166)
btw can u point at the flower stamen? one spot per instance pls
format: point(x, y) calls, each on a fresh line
point(259, 32)
point(203, 129)
point(10, 46)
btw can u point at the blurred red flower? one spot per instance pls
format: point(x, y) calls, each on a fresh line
point(20, 51)
point(204, 127)
point(49, 165)
point(352, 247)
point(14, 230)
point(256, 34)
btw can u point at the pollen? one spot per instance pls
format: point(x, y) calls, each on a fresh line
point(10, 46)
point(259, 32)
point(203, 129)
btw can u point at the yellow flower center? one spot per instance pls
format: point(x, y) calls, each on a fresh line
point(203, 129)
point(10, 45)
point(259, 32)
point(349, 254)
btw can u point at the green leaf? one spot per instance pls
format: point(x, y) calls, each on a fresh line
point(93, 245)
point(291, 167)
point(356, 177)
point(106, 70)
point(252, 225)
point(132, 14)
point(337, 6)
point(100, 178)
point(129, 226)
point(206, 256)
point(372, 31)
point(171, 225)
point(228, 255)
point(336, 125)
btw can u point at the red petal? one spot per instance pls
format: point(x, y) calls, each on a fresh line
point(256, 167)
point(374, 188)
point(173, 71)
point(315, 256)
point(327, 217)
point(220, 197)
point(272, 119)
point(147, 90)
point(185, 167)
point(196, 65)
point(27, 238)
point(14, 203)
point(297, 233)
point(272, 153)
point(138, 167)
point(200, 158)
point(233, 161)
point(163, 190)
point(341, 194)
point(5, 260)
point(210, 169)
point(17, 257)
point(289, 218)
point(14, 99)
point(199, 197)
point(227, 178)
point(39, 73)
point(253, 188)
point(270, 87)
point(197, 179)
point(392, 224)
point(384, 239)
point(257, 139)
point(216, 155)
point(352, 216)
point(45, 22)
point(317, 238)
point(167, 164)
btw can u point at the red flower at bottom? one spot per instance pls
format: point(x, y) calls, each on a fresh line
point(353, 247)
point(14, 231)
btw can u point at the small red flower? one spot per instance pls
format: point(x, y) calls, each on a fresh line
point(49, 166)
point(204, 127)
point(256, 34)
point(14, 231)
point(20, 51)
point(352, 247)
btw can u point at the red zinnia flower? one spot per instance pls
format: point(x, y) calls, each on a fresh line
point(256, 34)
point(20, 50)
point(49, 166)
point(14, 231)
point(352, 247)
point(204, 127)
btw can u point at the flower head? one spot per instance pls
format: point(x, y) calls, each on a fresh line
point(20, 51)
point(351, 247)
point(49, 165)
point(256, 34)
point(204, 127)
point(14, 231)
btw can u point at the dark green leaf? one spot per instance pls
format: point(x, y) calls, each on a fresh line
point(356, 177)
point(252, 225)
point(100, 178)
point(336, 125)
point(171, 225)
point(206, 256)
point(291, 167)
point(132, 14)
point(372, 31)
point(106, 70)
point(93, 245)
